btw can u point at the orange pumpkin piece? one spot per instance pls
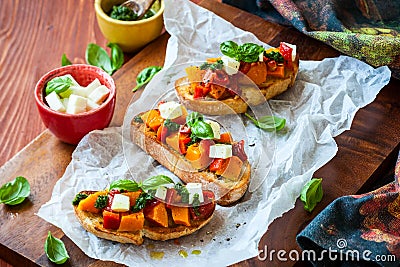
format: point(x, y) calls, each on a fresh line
point(132, 222)
point(225, 138)
point(87, 204)
point(257, 72)
point(193, 152)
point(132, 197)
point(153, 119)
point(158, 214)
point(278, 72)
point(180, 215)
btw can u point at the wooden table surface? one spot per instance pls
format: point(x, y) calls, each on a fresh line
point(35, 34)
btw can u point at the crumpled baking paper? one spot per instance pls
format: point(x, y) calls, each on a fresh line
point(320, 106)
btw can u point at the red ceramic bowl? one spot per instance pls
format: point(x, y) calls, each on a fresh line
point(70, 128)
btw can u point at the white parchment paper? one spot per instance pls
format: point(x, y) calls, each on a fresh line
point(320, 106)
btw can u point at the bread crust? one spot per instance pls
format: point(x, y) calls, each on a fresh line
point(226, 193)
point(93, 223)
point(251, 95)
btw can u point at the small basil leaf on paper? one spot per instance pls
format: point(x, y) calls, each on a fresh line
point(117, 56)
point(15, 192)
point(268, 123)
point(65, 61)
point(311, 194)
point(97, 56)
point(55, 249)
point(155, 181)
point(128, 185)
point(202, 130)
point(230, 49)
point(145, 76)
point(58, 84)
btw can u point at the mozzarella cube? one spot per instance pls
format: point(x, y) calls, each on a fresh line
point(76, 104)
point(99, 94)
point(261, 57)
point(220, 151)
point(231, 65)
point(54, 102)
point(93, 85)
point(120, 203)
point(293, 51)
point(216, 128)
point(170, 110)
point(161, 192)
point(91, 105)
point(195, 188)
point(78, 90)
point(65, 102)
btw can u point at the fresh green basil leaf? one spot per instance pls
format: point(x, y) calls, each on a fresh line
point(311, 193)
point(183, 192)
point(274, 55)
point(230, 49)
point(127, 185)
point(14, 192)
point(55, 249)
point(193, 117)
point(145, 76)
point(97, 56)
point(101, 202)
point(268, 123)
point(58, 84)
point(155, 181)
point(117, 56)
point(141, 201)
point(78, 198)
point(202, 130)
point(65, 61)
point(250, 52)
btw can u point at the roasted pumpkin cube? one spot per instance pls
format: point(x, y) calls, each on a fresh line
point(87, 204)
point(157, 214)
point(132, 222)
point(180, 215)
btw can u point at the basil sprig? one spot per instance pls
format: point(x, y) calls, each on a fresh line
point(247, 52)
point(311, 194)
point(127, 185)
point(58, 84)
point(141, 201)
point(145, 76)
point(146, 185)
point(268, 123)
point(15, 192)
point(199, 127)
point(55, 249)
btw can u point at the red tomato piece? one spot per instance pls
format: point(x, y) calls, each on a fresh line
point(111, 220)
point(162, 133)
point(216, 165)
point(286, 52)
point(206, 209)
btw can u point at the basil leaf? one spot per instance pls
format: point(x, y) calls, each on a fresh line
point(196, 204)
point(65, 61)
point(128, 185)
point(311, 193)
point(141, 201)
point(78, 198)
point(274, 55)
point(117, 56)
point(230, 49)
point(193, 117)
point(268, 123)
point(250, 52)
point(101, 202)
point(155, 181)
point(58, 84)
point(55, 249)
point(202, 130)
point(97, 56)
point(172, 126)
point(145, 76)
point(15, 192)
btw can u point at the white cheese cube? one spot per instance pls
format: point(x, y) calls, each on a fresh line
point(65, 102)
point(170, 110)
point(54, 102)
point(195, 188)
point(93, 85)
point(78, 90)
point(216, 128)
point(220, 151)
point(76, 104)
point(161, 192)
point(99, 94)
point(91, 105)
point(293, 51)
point(261, 57)
point(231, 65)
point(120, 203)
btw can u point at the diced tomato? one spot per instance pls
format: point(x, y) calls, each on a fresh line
point(184, 139)
point(225, 138)
point(271, 65)
point(206, 209)
point(111, 195)
point(111, 220)
point(162, 133)
point(172, 197)
point(286, 52)
point(244, 67)
point(216, 165)
point(238, 150)
point(200, 91)
point(184, 129)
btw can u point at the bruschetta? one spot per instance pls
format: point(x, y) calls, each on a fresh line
point(127, 212)
point(194, 149)
point(245, 75)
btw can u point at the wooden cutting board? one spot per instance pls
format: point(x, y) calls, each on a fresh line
point(370, 145)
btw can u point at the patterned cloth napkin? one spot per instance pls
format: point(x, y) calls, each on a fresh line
point(368, 30)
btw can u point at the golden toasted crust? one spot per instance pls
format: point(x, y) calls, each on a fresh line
point(226, 192)
point(251, 96)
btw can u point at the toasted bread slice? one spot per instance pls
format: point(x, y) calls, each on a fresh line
point(250, 96)
point(226, 192)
